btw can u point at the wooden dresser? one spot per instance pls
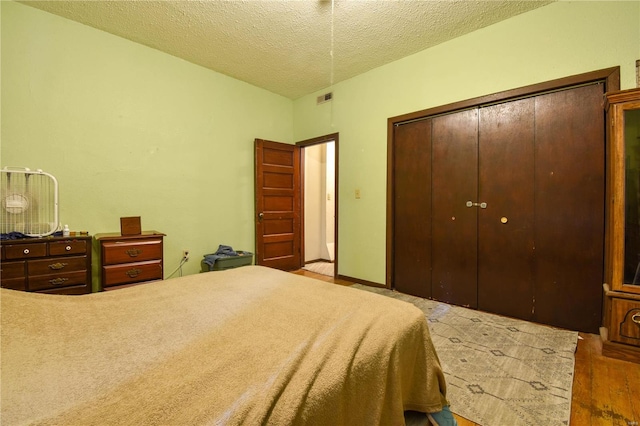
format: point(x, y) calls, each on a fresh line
point(59, 265)
point(621, 324)
point(129, 259)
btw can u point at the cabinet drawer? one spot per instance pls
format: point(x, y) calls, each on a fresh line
point(132, 273)
point(14, 283)
point(25, 251)
point(13, 275)
point(76, 289)
point(59, 248)
point(133, 251)
point(45, 282)
point(12, 270)
point(625, 321)
point(56, 265)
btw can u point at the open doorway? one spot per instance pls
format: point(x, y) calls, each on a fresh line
point(320, 195)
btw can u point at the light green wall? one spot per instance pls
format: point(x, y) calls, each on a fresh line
point(555, 41)
point(130, 131)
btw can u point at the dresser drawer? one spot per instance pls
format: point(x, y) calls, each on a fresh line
point(60, 248)
point(13, 275)
point(132, 273)
point(131, 251)
point(56, 265)
point(25, 251)
point(76, 289)
point(625, 321)
point(45, 282)
point(10, 270)
point(15, 284)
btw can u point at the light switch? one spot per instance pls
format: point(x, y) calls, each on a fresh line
point(357, 193)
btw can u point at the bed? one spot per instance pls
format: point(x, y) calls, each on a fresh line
point(250, 346)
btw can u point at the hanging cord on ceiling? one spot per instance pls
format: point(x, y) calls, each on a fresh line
point(331, 52)
point(332, 63)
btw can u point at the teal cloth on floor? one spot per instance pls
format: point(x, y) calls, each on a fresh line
point(443, 418)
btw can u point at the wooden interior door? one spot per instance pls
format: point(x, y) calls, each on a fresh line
point(569, 205)
point(454, 168)
point(278, 205)
point(505, 226)
point(412, 207)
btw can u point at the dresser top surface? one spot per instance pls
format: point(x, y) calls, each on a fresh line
point(117, 236)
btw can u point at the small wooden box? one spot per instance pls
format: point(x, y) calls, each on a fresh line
point(130, 226)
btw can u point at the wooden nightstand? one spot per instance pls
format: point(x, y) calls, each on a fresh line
point(58, 265)
point(129, 259)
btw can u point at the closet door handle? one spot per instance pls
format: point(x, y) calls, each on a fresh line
point(472, 204)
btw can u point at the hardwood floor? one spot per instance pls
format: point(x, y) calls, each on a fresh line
point(606, 391)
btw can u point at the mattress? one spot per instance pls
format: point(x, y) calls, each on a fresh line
point(250, 345)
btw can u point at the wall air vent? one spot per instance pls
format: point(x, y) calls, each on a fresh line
point(325, 98)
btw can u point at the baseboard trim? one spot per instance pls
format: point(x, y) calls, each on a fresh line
point(317, 260)
point(360, 281)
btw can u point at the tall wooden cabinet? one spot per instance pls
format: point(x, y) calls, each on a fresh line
point(621, 325)
point(500, 207)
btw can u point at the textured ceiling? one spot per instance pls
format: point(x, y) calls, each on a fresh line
point(285, 46)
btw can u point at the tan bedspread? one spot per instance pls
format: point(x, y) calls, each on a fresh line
point(250, 346)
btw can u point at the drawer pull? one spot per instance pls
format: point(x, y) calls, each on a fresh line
point(636, 318)
point(134, 252)
point(67, 248)
point(58, 281)
point(26, 251)
point(132, 273)
point(57, 266)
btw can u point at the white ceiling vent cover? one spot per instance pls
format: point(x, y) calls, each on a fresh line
point(29, 202)
point(325, 98)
